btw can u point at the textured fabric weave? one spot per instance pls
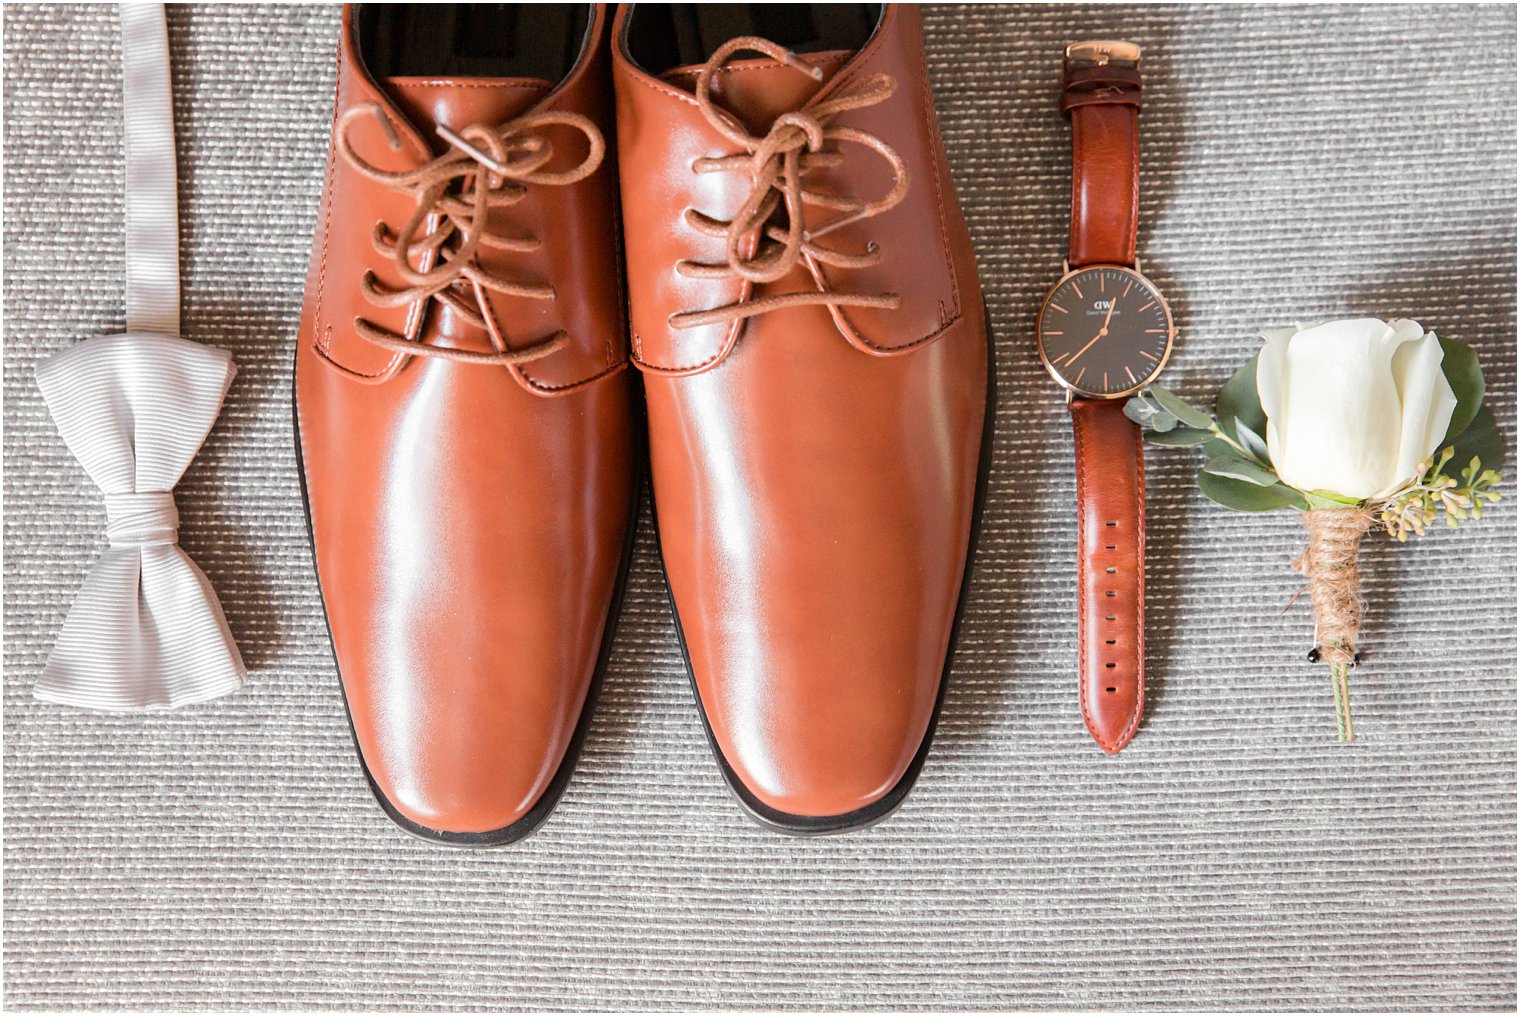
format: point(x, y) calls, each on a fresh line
point(1299, 163)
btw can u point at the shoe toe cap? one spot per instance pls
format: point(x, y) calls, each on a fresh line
point(457, 796)
point(825, 759)
point(471, 755)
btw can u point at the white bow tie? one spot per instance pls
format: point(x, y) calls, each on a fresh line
point(147, 631)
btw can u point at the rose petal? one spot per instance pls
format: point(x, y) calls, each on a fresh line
point(1271, 377)
point(1338, 421)
point(1426, 404)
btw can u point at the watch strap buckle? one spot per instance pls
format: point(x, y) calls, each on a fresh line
point(1103, 53)
point(1100, 73)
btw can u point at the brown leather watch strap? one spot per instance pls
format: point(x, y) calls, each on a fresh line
point(1110, 571)
point(1102, 100)
point(1101, 95)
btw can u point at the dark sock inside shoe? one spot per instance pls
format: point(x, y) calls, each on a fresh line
point(665, 36)
point(472, 40)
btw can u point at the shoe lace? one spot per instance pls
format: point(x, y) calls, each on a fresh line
point(758, 249)
point(436, 253)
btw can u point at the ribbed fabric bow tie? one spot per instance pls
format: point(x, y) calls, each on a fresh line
point(146, 631)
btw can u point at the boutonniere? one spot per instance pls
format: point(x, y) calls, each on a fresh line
point(1354, 424)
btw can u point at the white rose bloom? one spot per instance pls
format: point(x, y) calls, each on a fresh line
point(1353, 407)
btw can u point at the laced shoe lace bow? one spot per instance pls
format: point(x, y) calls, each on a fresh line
point(436, 254)
point(757, 247)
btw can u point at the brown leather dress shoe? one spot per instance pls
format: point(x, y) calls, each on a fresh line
point(463, 415)
point(806, 313)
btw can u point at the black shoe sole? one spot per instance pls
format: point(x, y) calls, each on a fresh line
point(876, 811)
point(541, 810)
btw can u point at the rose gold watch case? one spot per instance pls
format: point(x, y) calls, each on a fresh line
point(1072, 391)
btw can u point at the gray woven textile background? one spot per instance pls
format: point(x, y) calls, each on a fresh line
point(1298, 164)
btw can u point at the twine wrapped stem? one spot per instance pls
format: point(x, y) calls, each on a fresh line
point(1329, 563)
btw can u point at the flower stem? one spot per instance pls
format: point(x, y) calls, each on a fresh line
point(1340, 683)
point(1227, 439)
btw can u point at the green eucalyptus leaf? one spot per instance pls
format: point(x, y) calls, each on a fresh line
point(1178, 436)
point(1252, 441)
point(1460, 365)
point(1236, 466)
point(1240, 404)
point(1481, 438)
point(1190, 415)
point(1248, 497)
point(1139, 411)
point(1147, 415)
point(1216, 447)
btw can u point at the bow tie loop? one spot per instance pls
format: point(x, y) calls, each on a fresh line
point(141, 519)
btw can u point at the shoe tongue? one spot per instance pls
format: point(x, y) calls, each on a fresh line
point(458, 103)
point(759, 90)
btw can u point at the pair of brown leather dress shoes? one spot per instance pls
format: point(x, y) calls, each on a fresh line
point(763, 188)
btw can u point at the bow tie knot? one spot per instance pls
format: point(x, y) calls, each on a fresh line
point(146, 519)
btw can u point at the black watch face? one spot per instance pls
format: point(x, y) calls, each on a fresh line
point(1104, 331)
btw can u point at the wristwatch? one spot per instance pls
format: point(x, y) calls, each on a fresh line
point(1104, 332)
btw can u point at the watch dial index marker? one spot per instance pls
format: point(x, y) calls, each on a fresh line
point(1113, 333)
